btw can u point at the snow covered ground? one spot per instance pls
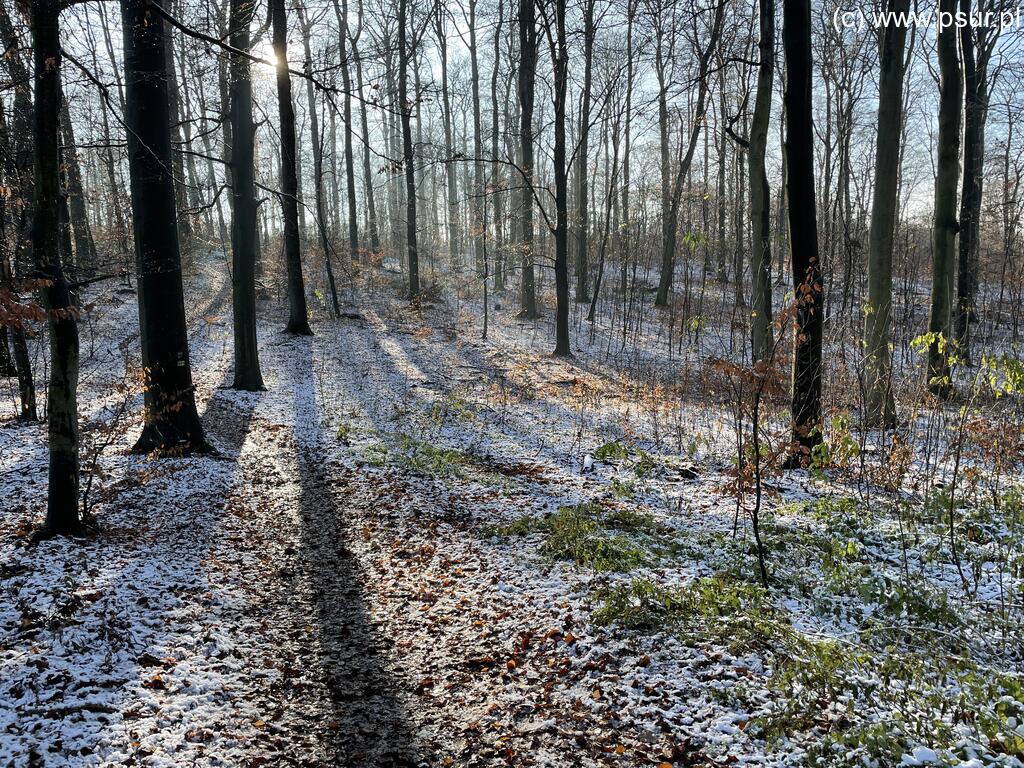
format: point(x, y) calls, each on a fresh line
point(413, 550)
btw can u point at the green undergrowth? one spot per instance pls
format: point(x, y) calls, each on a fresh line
point(850, 702)
point(903, 659)
point(642, 464)
point(587, 534)
point(429, 459)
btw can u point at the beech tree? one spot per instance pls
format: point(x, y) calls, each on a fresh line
point(244, 244)
point(525, 83)
point(944, 231)
point(172, 421)
point(298, 314)
point(879, 403)
point(62, 401)
point(803, 231)
point(760, 192)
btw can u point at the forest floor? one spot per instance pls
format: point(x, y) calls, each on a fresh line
point(420, 548)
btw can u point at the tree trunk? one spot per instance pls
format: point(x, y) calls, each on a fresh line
point(298, 316)
point(760, 193)
point(582, 168)
point(405, 109)
point(879, 404)
point(452, 200)
point(478, 147)
point(975, 58)
point(62, 401)
point(172, 422)
point(807, 277)
point(496, 184)
point(527, 74)
point(940, 320)
point(559, 56)
point(243, 198)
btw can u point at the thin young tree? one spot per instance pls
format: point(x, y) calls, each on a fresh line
point(172, 421)
point(879, 404)
point(803, 227)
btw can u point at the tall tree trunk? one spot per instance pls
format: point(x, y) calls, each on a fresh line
point(172, 422)
point(880, 409)
point(559, 56)
point(62, 401)
point(803, 227)
point(582, 167)
point(496, 184)
point(452, 200)
point(527, 75)
point(626, 141)
point(298, 316)
point(243, 198)
point(476, 206)
point(760, 193)
point(405, 109)
point(940, 319)
point(341, 12)
point(975, 59)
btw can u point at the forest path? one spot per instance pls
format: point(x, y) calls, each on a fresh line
point(424, 642)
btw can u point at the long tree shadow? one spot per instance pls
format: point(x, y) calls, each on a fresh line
point(371, 726)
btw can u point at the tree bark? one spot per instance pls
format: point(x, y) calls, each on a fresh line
point(880, 409)
point(172, 422)
point(298, 315)
point(243, 197)
point(559, 56)
point(760, 193)
point(940, 320)
point(62, 401)
point(527, 75)
point(405, 108)
point(582, 168)
point(975, 58)
point(807, 276)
